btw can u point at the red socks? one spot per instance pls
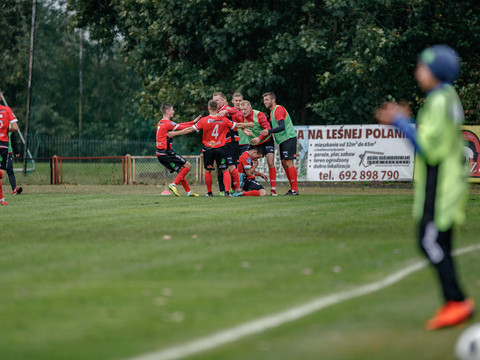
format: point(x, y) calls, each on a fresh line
point(272, 174)
point(251, 193)
point(208, 181)
point(235, 178)
point(227, 180)
point(181, 174)
point(185, 185)
point(1, 192)
point(291, 173)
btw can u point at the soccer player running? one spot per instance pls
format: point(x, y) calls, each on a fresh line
point(440, 181)
point(8, 123)
point(285, 136)
point(247, 164)
point(260, 123)
point(169, 158)
point(231, 146)
point(214, 136)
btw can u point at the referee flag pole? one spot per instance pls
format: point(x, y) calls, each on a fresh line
point(29, 93)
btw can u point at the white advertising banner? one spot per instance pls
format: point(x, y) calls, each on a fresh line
point(356, 153)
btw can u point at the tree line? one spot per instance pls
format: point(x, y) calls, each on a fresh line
point(329, 62)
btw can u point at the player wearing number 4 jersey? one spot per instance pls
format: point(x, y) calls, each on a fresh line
point(169, 158)
point(214, 129)
point(8, 122)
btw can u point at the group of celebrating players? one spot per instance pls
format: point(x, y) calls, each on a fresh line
point(234, 138)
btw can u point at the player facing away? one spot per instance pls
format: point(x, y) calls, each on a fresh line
point(247, 164)
point(8, 122)
point(169, 158)
point(231, 145)
point(440, 173)
point(285, 136)
point(214, 136)
point(260, 123)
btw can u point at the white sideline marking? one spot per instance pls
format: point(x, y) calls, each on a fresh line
point(268, 322)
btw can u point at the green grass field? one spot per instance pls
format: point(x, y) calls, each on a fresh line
point(114, 272)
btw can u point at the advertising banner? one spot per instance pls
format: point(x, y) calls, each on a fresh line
point(471, 134)
point(358, 153)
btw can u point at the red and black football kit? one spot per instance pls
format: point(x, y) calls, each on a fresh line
point(165, 155)
point(231, 147)
point(214, 137)
point(250, 185)
point(6, 118)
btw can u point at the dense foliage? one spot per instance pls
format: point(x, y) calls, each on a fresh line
point(330, 61)
point(109, 107)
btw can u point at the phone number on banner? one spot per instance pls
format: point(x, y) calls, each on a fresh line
point(361, 175)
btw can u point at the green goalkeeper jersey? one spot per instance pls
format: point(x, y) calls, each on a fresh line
point(441, 146)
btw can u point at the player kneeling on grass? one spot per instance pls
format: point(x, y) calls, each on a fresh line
point(248, 163)
point(169, 158)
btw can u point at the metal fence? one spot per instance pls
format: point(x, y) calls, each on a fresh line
point(148, 170)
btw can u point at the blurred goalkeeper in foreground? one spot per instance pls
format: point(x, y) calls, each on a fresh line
point(440, 172)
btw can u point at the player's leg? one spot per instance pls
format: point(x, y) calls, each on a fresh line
point(208, 161)
point(231, 153)
point(183, 173)
point(251, 188)
point(184, 170)
point(288, 152)
point(172, 162)
point(11, 173)
point(235, 176)
point(272, 171)
point(3, 165)
point(221, 187)
point(221, 161)
point(436, 245)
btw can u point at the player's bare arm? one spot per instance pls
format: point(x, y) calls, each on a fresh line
point(188, 130)
point(243, 125)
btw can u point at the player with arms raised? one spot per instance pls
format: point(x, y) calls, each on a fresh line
point(8, 122)
point(169, 158)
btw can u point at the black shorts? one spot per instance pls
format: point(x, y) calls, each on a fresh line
point(232, 152)
point(288, 149)
point(215, 155)
point(268, 146)
point(243, 148)
point(251, 184)
point(3, 158)
point(10, 163)
point(171, 160)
